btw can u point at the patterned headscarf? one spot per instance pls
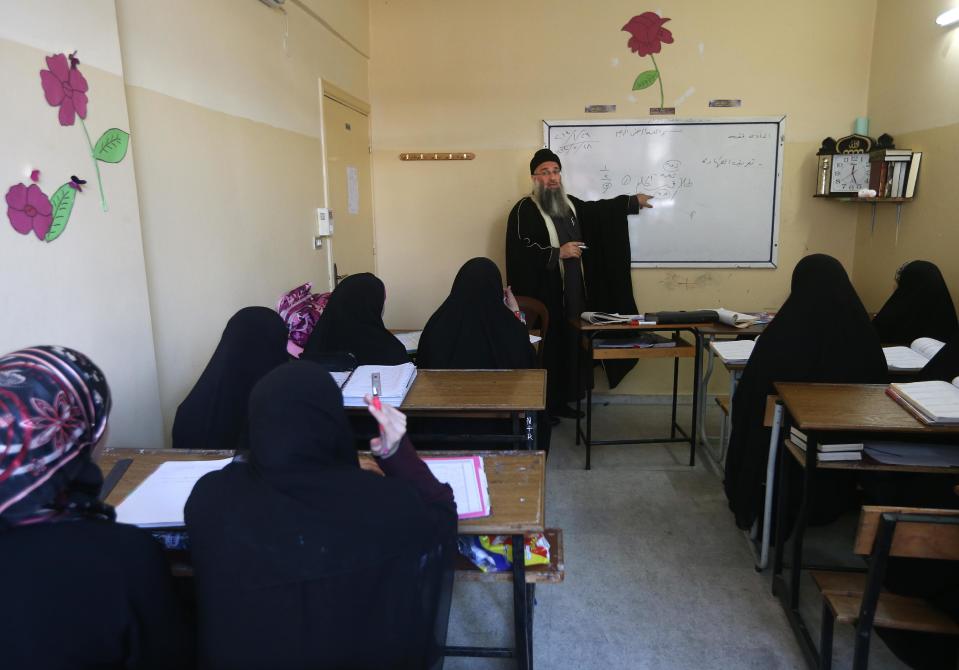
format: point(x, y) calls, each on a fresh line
point(300, 310)
point(54, 404)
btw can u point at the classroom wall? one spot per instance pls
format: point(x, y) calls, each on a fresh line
point(481, 77)
point(224, 97)
point(913, 96)
point(87, 289)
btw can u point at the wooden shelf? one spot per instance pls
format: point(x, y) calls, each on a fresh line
point(874, 201)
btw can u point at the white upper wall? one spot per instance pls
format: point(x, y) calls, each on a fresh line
point(229, 55)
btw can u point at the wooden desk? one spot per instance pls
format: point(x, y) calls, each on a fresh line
point(815, 409)
point(516, 394)
point(683, 349)
point(517, 491)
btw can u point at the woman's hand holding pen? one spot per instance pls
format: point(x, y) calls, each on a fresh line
point(392, 428)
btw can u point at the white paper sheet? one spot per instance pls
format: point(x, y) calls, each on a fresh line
point(159, 499)
point(466, 475)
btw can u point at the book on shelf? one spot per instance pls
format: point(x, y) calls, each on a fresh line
point(890, 154)
point(641, 341)
point(914, 357)
point(737, 319)
point(607, 317)
point(933, 402)
point(733, 352)
point(913, 175)
point(799, 439)
point(395, 382)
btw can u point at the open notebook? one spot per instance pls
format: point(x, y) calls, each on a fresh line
point(733, 352)
point(466, 475)
point(159, 499)
point(914, 357)
point(933, 402)
point(395, 382)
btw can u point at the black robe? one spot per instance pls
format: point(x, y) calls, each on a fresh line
point(921, 306)
point(213, 415)
point(533, 269)
point(302, 559)
point(353, 321)
point(821, 334)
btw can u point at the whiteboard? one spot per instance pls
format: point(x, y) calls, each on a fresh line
point(717, 184)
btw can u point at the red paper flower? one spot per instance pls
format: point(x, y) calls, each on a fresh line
point(648, 34)
point(66, 88)
point(29, 208)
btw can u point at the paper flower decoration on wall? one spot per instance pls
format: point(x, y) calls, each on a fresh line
point(65, 87)
point(30, 210)
point(647, 36)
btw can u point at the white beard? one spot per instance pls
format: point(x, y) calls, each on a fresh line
point(552, 201)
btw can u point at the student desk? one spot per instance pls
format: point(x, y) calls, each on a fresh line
point(517, 394)
point(588, 332)
point(710, 333)
point(836, 408)
point(517, 490)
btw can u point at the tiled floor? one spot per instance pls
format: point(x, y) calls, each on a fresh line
point(657, 574)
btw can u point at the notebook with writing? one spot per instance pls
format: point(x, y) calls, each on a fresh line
point(466, 475)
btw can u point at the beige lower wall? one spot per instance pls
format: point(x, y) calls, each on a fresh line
point(227, 209)
point(433, 216)
point(928, 229)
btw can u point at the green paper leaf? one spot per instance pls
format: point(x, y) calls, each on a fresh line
point(62, 202)
point(645, 79)
point(112, 146)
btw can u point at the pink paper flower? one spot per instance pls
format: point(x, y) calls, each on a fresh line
point(29, 208)
point(66, 88)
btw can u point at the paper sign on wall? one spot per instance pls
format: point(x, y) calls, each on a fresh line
point(352, 190)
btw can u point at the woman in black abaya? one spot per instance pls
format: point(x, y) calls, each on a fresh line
point(213, 415)
point(304, 560)
point(353, 322)
point(473, 329)
point(921, 306)
point(821, 334)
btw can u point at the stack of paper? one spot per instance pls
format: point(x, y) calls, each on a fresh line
point(606, 317)
point(934, 402)
point(159, 499)
point(395, 382)
point(466, 475)
point(736, 319)
point(733, 352)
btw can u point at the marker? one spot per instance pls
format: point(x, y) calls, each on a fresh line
point(582, 246)
point(375, 384)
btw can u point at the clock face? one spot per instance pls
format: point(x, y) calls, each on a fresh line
point(850, 173)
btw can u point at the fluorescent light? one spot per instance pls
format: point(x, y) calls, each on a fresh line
point(948, 17)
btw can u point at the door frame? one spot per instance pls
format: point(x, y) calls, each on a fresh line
point(337, 94)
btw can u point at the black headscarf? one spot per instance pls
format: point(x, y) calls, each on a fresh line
point(821, 334)
point(473, 329)
point(301, 558)
point(54, 404)
point(919, 307)
point(213, 415)
point(353, 322)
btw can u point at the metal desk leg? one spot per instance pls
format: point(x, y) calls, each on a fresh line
point(523, 641)
point(770, 478)
point(697, 363)
point(530, 441)
point(795, 570)
point(672, 418)
point(589, 405)
point(579, 376)
point(704, 389)
point(782, 489)
point(728, 425)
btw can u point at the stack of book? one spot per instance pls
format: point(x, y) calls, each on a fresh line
point(935, 402)
point(851, 451)
point(893, 172)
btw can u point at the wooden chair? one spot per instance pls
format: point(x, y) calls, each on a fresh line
point(537, 318)
point(859, 599)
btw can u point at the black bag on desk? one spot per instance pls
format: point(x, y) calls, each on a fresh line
point(695, 316)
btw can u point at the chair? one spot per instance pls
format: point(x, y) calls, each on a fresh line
point(849, 598)
point(537, 318)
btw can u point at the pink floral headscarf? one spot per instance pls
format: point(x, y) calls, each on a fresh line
point(300, 310)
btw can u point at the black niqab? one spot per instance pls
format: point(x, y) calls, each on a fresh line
point(302, 559)
point(821, 334)
point(213, 415)
point(353, 321)
point(921, 306)
point(473, 329)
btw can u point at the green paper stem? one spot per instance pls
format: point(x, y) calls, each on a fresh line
point(103, 199)
point(659, 78)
